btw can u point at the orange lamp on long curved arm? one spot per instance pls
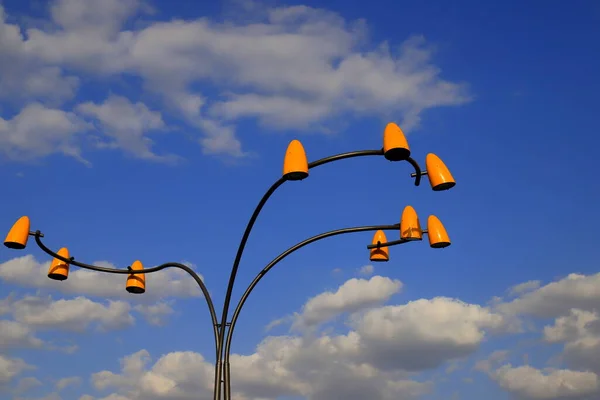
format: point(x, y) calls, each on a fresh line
point(379, 254)
point(136, 283)
point(410, 227)
point(438, 173)
point(19, 234)
point(395, 145)
point(59, 270)
point(438, 237)
point(295, 164)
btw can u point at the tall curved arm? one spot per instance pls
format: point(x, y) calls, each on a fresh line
point(266, 269)
point(250, 225)
point(211, 308)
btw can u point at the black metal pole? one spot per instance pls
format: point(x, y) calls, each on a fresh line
point(232, 276)
point(242, 245)
point(219, 328)
point(234, 269)
point(257, 279)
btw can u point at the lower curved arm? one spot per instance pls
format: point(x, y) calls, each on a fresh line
point(190, 271)
point(280, 257)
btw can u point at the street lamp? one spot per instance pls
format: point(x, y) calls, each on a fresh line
point(295, 167)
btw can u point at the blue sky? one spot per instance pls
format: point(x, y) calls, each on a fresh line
point(149, 131)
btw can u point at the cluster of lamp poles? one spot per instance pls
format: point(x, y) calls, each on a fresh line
point(295, 168)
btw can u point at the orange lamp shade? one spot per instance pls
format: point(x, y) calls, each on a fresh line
point(19, 234)
point(381, 254)
point(136, 283)
point(295, 164)
point(59, 270)
point(410, 228)
point(438, 237)
point(439, 175)
point(395, 145)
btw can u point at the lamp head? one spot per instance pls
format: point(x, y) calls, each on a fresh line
point(381, 254)
point(410, 227)
point(439, 175)
point(136, 283)
point(19, 234)
point(59, 270)
point(438, 237)
point(295, 164)
point(395, 145)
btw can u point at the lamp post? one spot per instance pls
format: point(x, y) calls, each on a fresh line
point(295, 168)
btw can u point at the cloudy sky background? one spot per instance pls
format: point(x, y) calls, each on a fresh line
point(149, 130)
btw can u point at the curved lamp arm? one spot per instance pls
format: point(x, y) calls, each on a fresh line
point(272, 264)
point(250, 225)
point(379, 245)
point(211, 308)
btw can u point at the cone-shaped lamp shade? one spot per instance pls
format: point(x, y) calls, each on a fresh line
point(18, 234)
point(395, 145)
point(59, 270)
point(410, 227)
point(136, 283)
point(439, 175)
point(381, 254)
point(295, 164)
point(438, 237)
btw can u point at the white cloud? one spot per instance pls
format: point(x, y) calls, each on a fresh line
point(26, 384)
point(530, 383)
point(38, 131)
point(376, 359)
point(68, 382)
point(28, 272)
point(492, 361)
point(278, 368)
point(75, 314)
point(573, 303)
point(14, 334)
point(570, 327)
point(366, 270)
point(156, 314)
point(10, 368)
point(557, 298)
point(580, 331)
point(353, 295)
point(523, 287)
point(424, 333)
point(291, 67)
point(126, 123)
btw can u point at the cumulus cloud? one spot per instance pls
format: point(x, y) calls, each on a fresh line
point(377, 358)
point(557, 298)
point(10, 368)
point(75, 314)
point(68, 382)
point(424, 333)
point(14, 334)
point(37, 131)
point(126, 125)
point(353, 295)
point(26, 271)
point(26, 384)
point(523, 287)
point(156, 314)
point(530, 383)
point(366, 270)
point(573, 304)
point(280, 367)
point(580, 333)
point(289, 67)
